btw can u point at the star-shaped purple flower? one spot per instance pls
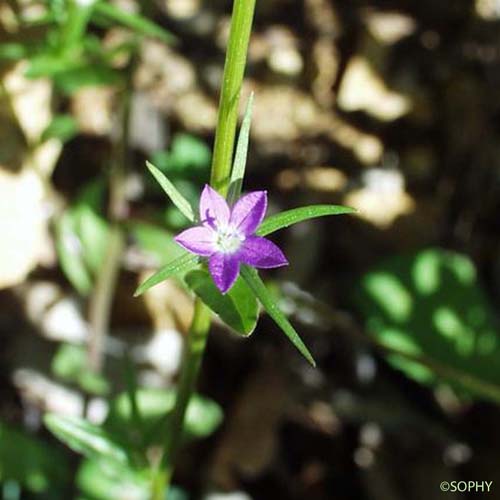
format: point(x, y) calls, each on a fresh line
point(226, 236)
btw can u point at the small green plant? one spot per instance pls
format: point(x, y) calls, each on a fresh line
point(217, 259)
point(229, 236)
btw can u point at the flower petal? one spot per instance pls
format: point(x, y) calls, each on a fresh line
point(224, 269)
point(248, 211)
point(261, 252)
point(214, 210)
point(199, 240)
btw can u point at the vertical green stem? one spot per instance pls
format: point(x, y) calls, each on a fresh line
point(234, 69)
point(75, 25)
point(102, 297)
point(105, 285)
point(193, 354)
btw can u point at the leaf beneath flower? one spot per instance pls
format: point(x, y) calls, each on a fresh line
point(237, 308)
point(253, 280)
point(177, 199)
point(177, 266)
point(289, 217)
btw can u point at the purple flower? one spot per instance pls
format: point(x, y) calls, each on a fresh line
point(226, 236)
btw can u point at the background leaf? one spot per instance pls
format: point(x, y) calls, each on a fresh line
point(238, 308)
point(429, 304)
point(83, 437)
point(82, 236)
point(154, 405)
point(70, 80)
point(69, 251)
point(101, 479)
point(31, 462)
point(62, 127)
point(188, 157)
point(135, 22)
point(156, 241)
point(70, 365)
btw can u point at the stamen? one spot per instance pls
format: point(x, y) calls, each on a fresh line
point(228, 240)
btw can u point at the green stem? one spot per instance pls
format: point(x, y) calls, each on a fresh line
point(193, 354)
point(75, 25)
point(106, 280)
point(102, 298)
point(234, 69)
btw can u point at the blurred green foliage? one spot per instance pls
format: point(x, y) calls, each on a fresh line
point(70, 365)
point(154, 406)
point(81, 237)
point(31, 463)
point(429, 305)
point(71, 54)
point(187, 163)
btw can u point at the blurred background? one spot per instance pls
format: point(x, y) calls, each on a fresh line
point(391, 107)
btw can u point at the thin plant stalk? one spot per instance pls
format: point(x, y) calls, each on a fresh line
point(101, 299)
point(234, 69)
point(193, 354)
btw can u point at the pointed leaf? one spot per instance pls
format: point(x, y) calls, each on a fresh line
point(135, 22)
point(253, 280)
point(94, 233)
point(177, 199)
point(238, 308)
point(177, 266)
point(84, 437)
point(240, 157)
point(289, 217)
point(70, 253)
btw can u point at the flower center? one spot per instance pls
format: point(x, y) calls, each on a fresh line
point(228, 239)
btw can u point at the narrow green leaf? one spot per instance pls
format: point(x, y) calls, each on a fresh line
point(253, 280)
point(179, 265)
point(177, 199)
point(84, 437)
point(70, 253)
point(135, 22)
point(70, 79)
point(238, 308)
point(94, 233)
point(240, 157)
point(289, 217)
